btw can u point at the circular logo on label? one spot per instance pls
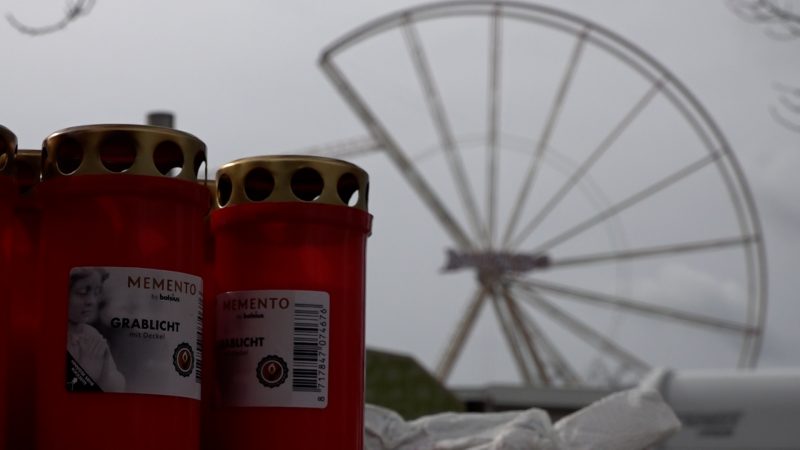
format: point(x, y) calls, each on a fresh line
point(183, 359)
point(272, 371)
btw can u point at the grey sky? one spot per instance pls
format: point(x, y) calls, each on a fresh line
point(242, 76)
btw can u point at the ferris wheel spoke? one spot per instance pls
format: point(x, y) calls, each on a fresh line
point(596, 154)
point(345, 149)
point(544, 138)
point(648, 252)
point(526, 337)
point(396, 154)
point(628, 202)
point(442, 125)
point(495, 53)
point(582, 330)
point(639, 307)
point(559, 363)
point(456, 344)
point(512, 339)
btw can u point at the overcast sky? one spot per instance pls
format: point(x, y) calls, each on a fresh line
point(243, 77)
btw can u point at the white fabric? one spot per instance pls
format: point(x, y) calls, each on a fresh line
point(629, 420)
point(531, 429)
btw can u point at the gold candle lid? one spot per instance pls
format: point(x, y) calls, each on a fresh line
point(8, 148)
point(292, 178)
point(123, 149)
point(27, 169)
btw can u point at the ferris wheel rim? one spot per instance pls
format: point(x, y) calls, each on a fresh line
point(720, 153)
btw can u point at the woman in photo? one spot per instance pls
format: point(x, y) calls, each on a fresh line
point(84, 343)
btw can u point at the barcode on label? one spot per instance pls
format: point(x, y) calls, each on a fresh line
point(199, 358)
point(309, 347)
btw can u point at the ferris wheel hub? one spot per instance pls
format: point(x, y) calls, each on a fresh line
point(495, 263)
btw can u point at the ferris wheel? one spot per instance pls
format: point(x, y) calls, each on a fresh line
point(591, 201)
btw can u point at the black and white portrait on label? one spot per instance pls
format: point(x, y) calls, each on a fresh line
point(86, 346)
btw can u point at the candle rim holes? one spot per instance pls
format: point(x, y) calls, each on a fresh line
point(69, 155)
point(8, 148)
point(347, 188)
point(118, 151)
point(168, 158)
point(200, 162)
point(224, 190)
point(293, 178)
point(307, 184)
point(258, 184)
point(122, 149)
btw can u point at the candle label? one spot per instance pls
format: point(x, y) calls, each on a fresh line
point(134, 330)
point(272, 348)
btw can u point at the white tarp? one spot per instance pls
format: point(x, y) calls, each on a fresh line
point(629, 420)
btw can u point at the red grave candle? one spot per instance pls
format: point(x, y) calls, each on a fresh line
point(25, 307)
point(8, 229)
point(287, 320)
point(121, 274)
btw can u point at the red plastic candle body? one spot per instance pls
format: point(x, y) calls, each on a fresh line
point(8, 229)
point(25, 308)
point(139, 239)
point(285, 254)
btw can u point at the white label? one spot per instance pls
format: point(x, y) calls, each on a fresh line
point(134, 330)
point(272, 348)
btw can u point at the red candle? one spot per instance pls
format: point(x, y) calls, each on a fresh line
point(122, 261)
point(288, 318)
point(8, 199)
point(25, 308)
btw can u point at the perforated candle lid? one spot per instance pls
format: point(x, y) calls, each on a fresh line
point(8, 148)
point(27, 169)
point(123, 149)
point(292, 178)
